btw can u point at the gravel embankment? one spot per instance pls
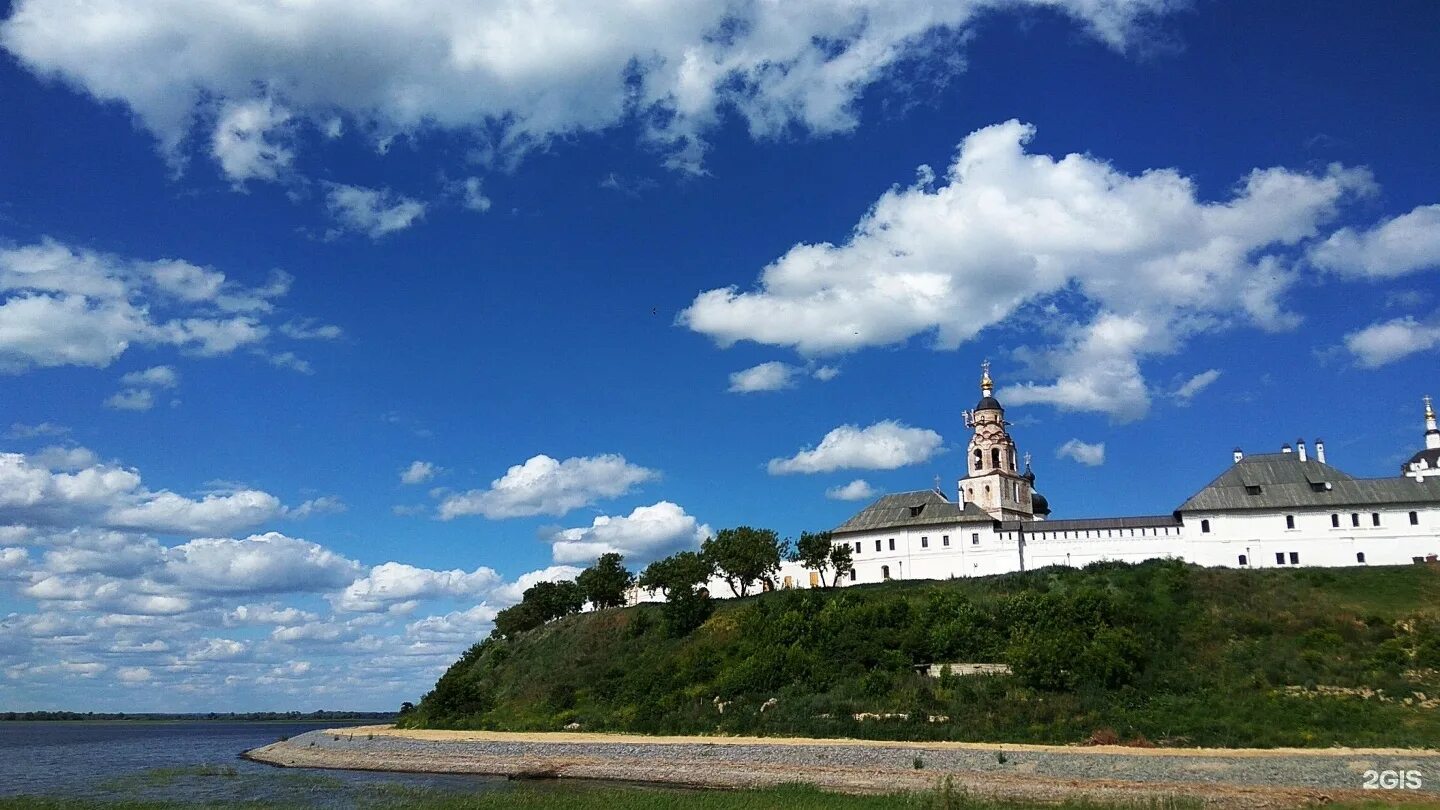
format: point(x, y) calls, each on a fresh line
point(1224, 778)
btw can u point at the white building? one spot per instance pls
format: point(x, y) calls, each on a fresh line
point(1274, 509)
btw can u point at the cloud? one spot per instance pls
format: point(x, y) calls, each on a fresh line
point(772, 376)
point(153, 377)
point(857, 490)
point(44, 429)
point(1091, 455)
point(645, 534)
point(131, 399)
point(373, 212)
point(471, 195)
point(310, 330)
point(1187, 390)
point(512, 77)
point(1381, 343)
point(323, 505)
point(291, 361)
point(1395, 247)
point(881, 446)
point(73, 489)
point(263, 563)
point(1119, 266)
point(825, 373)
point(61, 305)
point(544, 486)
point(394, 583)
point(243, 141)
point(418, 472)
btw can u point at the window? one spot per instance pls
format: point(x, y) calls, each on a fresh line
point(995, 457)
point(1252, 489)
point(1374, 518)
point(852, 574)
point(979, 459)
point(1334, 521)
point(892, 544)
point(1243, 560)
point(924, 542)
point(1289, 521)
point(945, 540)
point(1354, 518)
point(1279, 558)
point(1359, 556)
point(1205, 529)
point(877, 545)
point(1294, 558)
point(916, 510)
point(857, 546)
point(975, 538)
point(884, 572)
point(1414, 518)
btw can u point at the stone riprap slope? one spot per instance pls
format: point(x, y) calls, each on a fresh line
point(1217, 777)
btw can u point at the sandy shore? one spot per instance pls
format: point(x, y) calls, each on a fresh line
point(1218, 777)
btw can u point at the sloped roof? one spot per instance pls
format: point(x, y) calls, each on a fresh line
point(1284, 482)
point(923, 507)
point(1089, 524)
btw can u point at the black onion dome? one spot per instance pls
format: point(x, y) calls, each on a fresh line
point(988, 404)
point(1039, 505)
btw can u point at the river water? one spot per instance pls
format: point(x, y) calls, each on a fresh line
point(189, 763)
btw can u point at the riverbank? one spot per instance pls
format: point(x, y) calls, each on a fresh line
point(1269, 778)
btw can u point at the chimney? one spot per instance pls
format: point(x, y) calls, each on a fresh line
point(1320, 450)
point(1238, 455)
point(1300, 448)
point(1284, 448)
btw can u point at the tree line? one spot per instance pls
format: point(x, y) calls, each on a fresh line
point(744, 557)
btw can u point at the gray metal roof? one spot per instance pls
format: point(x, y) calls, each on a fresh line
point(923, 507)
point(1090, 524)
point(1283, 481)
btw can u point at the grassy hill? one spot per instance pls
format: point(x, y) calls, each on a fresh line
point(1160, 652)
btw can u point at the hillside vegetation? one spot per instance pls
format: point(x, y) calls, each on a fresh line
point(1160, 652)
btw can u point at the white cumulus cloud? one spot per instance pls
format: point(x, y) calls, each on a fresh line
point(373, 212)
point(1091, 455)
point(772, 376)
point(857, 490)
point(1395, 247)
point(647, 533)
point(545, 486)
point(1187, 390)
point(418, 472)
point(264, 563)
point(1004, 230)
point(881, 446)
point(513, 75)
point(1382, 343)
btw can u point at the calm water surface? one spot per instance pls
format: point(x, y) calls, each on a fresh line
point(188, 763)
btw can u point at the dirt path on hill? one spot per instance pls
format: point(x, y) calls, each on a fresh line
point(1267, 778)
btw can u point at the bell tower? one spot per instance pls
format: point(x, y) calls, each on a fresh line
point(993, 482)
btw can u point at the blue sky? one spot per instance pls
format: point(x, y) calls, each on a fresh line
point(256, 267)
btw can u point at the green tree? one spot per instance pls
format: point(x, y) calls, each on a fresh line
point(685, 569)
point(744, 556)
point(516, 619)
point(813, 551)
point(605, 583)
point(840, 561)
point(552, 600)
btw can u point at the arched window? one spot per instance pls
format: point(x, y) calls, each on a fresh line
point(884, 572)
point(979, 459)
point(1011, 453)
point(995, 457)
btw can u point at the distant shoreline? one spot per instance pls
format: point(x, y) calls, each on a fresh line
point(1218, 777)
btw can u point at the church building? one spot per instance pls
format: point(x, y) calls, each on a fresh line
point(1269, 509)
